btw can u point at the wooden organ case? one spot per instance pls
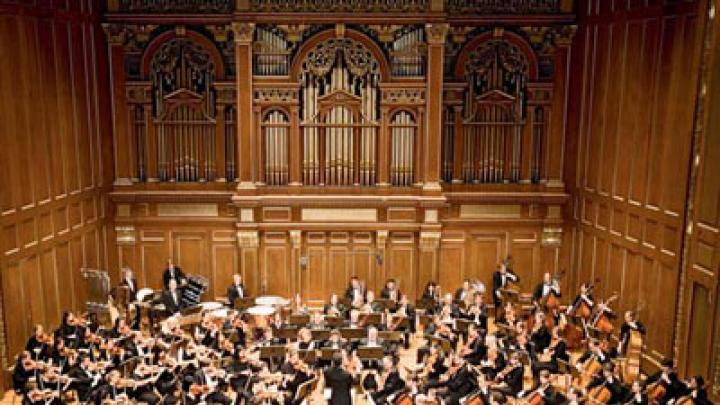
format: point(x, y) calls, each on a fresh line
point(302, 143)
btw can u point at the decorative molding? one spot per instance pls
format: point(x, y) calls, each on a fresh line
point(403, 96)
point(243, 32)
point(125, 235)
point(338, 6)
point(551, 236)
point(295, 238)
point(430, 240)
point(276, 95)
point(187, 210)
point(174, 6)
point(436, 33)
point(490, 211)
point(381, 239)
point(515, 7)
point(248, 239)
point(339, 214)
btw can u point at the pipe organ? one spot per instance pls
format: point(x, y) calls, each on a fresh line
point(407, 53)
point(275, 139)
point(403, 146)
point(339, 88)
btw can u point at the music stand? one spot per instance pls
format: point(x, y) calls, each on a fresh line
point(299, 320)
point(334, 321)
point(320, 334)
point(352, 333)
point(366, 353)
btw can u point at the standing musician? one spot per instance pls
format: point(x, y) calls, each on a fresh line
point(629, 325)
point(236, 290)
point(583, 298)
point(355, 291)
point(390, 291)
point(502, 277)
point(130, 284)
point(549, 286)
point(172, 272)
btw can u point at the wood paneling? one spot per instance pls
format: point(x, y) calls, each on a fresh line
point(53, 172)
point(633, 82)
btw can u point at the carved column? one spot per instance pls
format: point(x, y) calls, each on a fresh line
point(383, 160)
point(558, 119)
point(436, 34)
point(123, 153)
point(220, 144)
point(429, 255)
point(296, 268)
point(248, 245)
point(295, 157)
point(243, 73)
point(458, 145)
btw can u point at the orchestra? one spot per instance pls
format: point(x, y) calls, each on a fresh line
point(353, 348)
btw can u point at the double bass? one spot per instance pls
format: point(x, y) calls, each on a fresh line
point(600, 319)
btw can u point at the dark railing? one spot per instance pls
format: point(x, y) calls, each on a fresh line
point(502, 6)
point(177, 6)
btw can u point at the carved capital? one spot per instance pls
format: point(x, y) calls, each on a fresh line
point(243, 32)
point(248, 239)
point(381, 239)
point(116, 33)
point(385, 32)
point(436, 33)
point(125, 235)
point(429, 240)
point(221, 33)
point(459, 34)
point(296, 238)
point(293, 31)
point(565, 34)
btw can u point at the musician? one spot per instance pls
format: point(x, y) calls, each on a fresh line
point(172, 272)
point(483, 389)
point(463, 292)
point(510, 379)
point(37, 344)
point(609, 380)
point(477, 312)
point(25, 368)
point(129, 282)
point(172, 299)
point(474, 350)
point(539, 335)
point(629, 325)
point(236, 290)
point(543, 388)
point(85, 379)
point(370, 304)
point(668, 378)
point(574, 397)
point(696, 391)
point(334, 307)
point(70, 330)
point(637, 396)
point(585, 296)
point(548, 286)
point(449, 310)
point(207, 376)
point(594, 350)
point(355, 291)
point(390, 291)
point(457, 382)
point(493, 363)
point(431, 292)
point(502, 277)
point(390, 381)
point(335, 341)
point(339, 381)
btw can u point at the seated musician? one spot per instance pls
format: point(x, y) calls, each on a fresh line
point(608, 379)
point(70, 330)
point(457, 382)
point(547, 287)
point(493, 363)
point(339, 381)
point(631, 324)
point(431, 292)
point(305, 340)
point(299, 374)
point(390, 383)
point(596, 351)
point(37, 345)
point(637, 395)
point(549, 358)
point(129, 282)
point(390, 291)
point(335, 341)
point(172, 272)
point(24, 369)
point(464, 292)
point(210, 378)
point(478, 311)
point(667, 377)
point(172, 299)
point(509, 381)
point(334, 307)
point(299, 307)
point(317, 321)
point(269, 339)
point(355, 291)
point(543, 388)
point(370, 304)
point(372, 339)
point(474, 349)
point(502, 277)
point(449, 310)
point(539, 334)
point(695, 391)
point(236, 290)
point(483, 389)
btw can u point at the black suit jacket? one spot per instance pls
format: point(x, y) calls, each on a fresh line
point(232, 293)
point(179, 276)
point(497, 283)
point(170, 305)
point(132, 290)
point(339, 381)
point(393, 384)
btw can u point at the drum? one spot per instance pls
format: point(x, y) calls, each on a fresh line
point(144, 293)
point(210, 306)
point(260, 314)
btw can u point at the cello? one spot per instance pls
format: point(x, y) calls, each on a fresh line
point(600, 319)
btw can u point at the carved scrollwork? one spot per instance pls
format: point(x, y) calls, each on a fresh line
point(174, 6)
point(273, 96)
point(340, 5)
point(403, 96)
point(502, 7)
point(322, 58)
point(497, 65)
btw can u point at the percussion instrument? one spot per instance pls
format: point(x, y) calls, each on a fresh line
point(260, 314)
point(144, 293)
point(271, 301)
point(210, 306)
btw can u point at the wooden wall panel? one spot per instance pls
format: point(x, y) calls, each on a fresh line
point(54, 135)
point(633, 81)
